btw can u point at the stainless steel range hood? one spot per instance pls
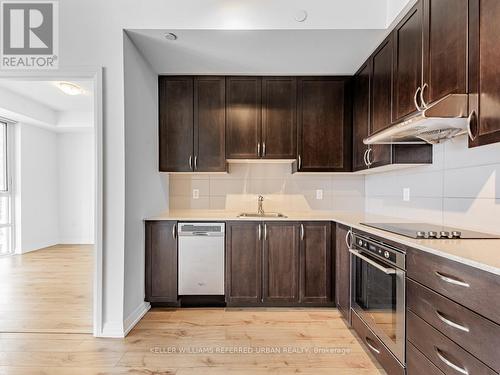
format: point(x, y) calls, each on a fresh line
point(444, 119)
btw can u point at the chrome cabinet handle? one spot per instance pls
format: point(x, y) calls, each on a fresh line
point(260, 232)
point(302, 232)
point(449, 363)
point(451, 323)
point(367, 340)
point(258, 149)
point(422, 100)
point(364, 157)
point(174, 231)
point(386, 270)
point(300, 162)
point(348, 239)
point(196, 162)
point(190, 162)
point(415, 100)
point(265, 232)
point(471, 117)
point(370, 150)
point(263, 149)
point(451, 280)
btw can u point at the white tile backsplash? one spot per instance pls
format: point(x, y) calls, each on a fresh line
point(461, 188)
point(282, 190)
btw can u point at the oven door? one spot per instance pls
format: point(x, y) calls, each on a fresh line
point(378, 297)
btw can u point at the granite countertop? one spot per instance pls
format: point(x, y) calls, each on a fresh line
point(482, 254)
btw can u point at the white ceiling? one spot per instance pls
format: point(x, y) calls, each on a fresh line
point(332, 52)
point(48, 94)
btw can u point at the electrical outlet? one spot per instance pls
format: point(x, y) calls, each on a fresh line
point(196, 194)
point(406, 194)
point(319, 194)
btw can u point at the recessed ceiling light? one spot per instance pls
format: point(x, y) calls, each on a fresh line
point(301, 16)
point(170, 36)
point(70, 88)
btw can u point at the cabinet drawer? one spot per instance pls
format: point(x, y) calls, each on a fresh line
point(463, 326)
point(376, 348)
point(444, 353)
point(473, 288)
point(418, 364)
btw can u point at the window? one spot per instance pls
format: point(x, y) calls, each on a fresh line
point(6, 228)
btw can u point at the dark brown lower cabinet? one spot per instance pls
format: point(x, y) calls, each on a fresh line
point(278, 263)
point(243, 263)
point(316, 263)
point(343, 272)
point(281, 262)
point(161, 262)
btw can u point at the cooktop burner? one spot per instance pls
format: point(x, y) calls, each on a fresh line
point(429, 231)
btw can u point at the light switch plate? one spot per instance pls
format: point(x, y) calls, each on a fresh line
point(196, 194)
point(319, 194)
point(406, 194)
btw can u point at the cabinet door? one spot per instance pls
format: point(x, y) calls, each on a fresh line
point(342, 272)
point(161, 261)
point(361, 115)
point(244, 117)
point(279, 125)
point(243, 263)
point(209, 124)
point(281, 262)
point(176, 123)
point(324, 125)
point(445, 48)
point(316, 263)
point(381, 100)
point(484, 71)
point(407, 62)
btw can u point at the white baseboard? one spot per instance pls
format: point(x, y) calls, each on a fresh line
point(112, 330)
point(135, 316)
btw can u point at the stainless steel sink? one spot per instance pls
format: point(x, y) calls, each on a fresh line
point(266, 214)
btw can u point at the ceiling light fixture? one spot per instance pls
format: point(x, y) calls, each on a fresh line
point(70, 88)
point(170, 36)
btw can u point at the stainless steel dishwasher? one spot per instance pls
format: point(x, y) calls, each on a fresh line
point(201, 259)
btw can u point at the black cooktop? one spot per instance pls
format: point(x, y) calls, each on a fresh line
point(430, 231)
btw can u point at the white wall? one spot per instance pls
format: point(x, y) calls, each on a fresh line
point(461, 188)
point(75, 164)
point(146, 190)
point(36, 181)
point(54, 182)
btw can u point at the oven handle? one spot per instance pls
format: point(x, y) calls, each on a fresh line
point(387, 271)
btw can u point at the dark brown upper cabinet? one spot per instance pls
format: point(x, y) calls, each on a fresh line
point(243, 282)
point(381, 101)
point(361, 116)
point(209, 124)
point(244, 117)
point(192, 124)
point(281, 262)
point(324, 125)
point(316, 263)
point(176, 123)
point(279, 118)
point(407, 78)
point(444, 49)
point(484, 71)
point(161, 261)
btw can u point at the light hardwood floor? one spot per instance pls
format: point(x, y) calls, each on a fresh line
point(48, 290)
point(154, 346)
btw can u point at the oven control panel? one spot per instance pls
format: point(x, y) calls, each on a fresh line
point(376, 249)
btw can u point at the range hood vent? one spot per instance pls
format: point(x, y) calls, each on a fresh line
point(443, 120)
